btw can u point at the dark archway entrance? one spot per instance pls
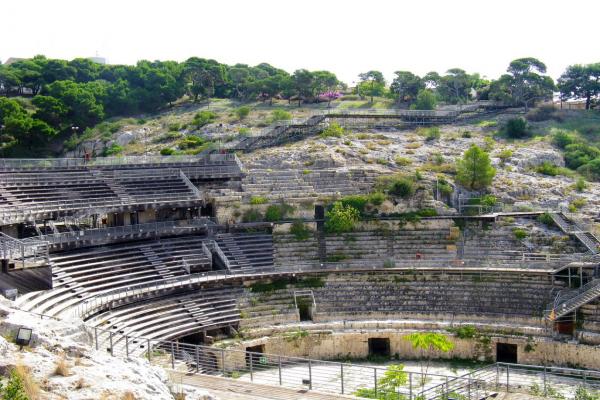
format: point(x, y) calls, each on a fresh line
point(506, 352)
point(379, 347)
point(254, 353)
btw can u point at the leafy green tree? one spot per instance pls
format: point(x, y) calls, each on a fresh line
point(49, 109)
point(9, 80)
point(303, 84)
point(580, 82)
point(85, 70)
point(516, 128)
point(524, 84)
point(387, 386)
point(428, 343)
point(425, 100)
point(82, 108)
point(475, 170)
point(454, 87)
point(341, 218)
point(29, 73)
point(202, 76)
point(371, 84)
point(406, 86)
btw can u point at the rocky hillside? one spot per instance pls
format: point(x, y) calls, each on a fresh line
point(61, 363)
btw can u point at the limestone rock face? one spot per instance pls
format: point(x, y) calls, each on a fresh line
point(528, 157)
point(125, 138)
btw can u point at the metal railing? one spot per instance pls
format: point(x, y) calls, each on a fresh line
point(48, 163)
point(344, 377)
point(23, 251)
point(221, 255)
point(116, 232)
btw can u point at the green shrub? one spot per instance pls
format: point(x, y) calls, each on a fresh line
point(356, 200)
point(402, 187)
point(300, 231)
point(546, 219)
point(377, 198)
point(580, 185)
point(516, 128)
point(591, 170)
point(464, 332)
point(519, 233)
point(113, 150)
point(333, 130)
point(432, 133)
point(243, 131)
point(167, 151)
point(252, 215)
point(310, 282)
point(426, 100)
point(280, 115)
point(547, 168)
point(174, 127)
point(402, 161)
point(262, 287)
point(489, 200)
point(256, 200)
point(277, 212)
point(562, 138)
point(242, 112)
point(15, 387)
point(427, 212)
point(444, 187)
point(203, 118)
point(167, 137)
point(191, 142)
point(505, 155)
point(579, 154)
point(341, 218)
point(466, 134)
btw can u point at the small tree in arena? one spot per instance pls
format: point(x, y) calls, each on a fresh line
point(428, 343)
point(341, 218)
point(475, 170)
point(387, 386)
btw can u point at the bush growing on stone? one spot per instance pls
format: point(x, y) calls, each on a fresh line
point(252, 215)
point(377, 198)
point(280, 115)
point(341, 218)
point(113, 150)
point(580, 185)
point(167, 151)
point(256, 200)
point(14, 389)
point(579, 154)
point(242, 112)
point(277, 212)
point(191, 142)
point(562, 138)
point(300, 231)
point(203, 118)
point(425, 100)
point(516, 128)
point(519, 233)
point(432, 134)
point(505, 155)
point(542, 113)
point(547, 168)
point(546, 219)
point(402, 161)
point(244, 131)
point(333, 130)
point(402, 187)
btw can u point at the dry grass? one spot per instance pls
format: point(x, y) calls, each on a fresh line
point(80, 384)
point(128, 396)
point(61, 367)
point(31, 387)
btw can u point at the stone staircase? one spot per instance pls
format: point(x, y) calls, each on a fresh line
point(157, 263)
point(569, 227)
point(570, 301)
point(237, 258)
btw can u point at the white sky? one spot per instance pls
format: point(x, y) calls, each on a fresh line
point(344, 36)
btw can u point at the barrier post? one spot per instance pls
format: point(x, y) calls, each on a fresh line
point(279, 370)
point(507, 378)
point(126, 346)
point(342, 376)
point(96, 337)
point(172, 356)
point(251, 368)
point(149, 352)
point(410, 374)
point(223, 361)
point(375, 380)
point(197, 359)
point(545, 390)
point(112, 353)
point(310, 385)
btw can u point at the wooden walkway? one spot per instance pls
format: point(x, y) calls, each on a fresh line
point(226, 388)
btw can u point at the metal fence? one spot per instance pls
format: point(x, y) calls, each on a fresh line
point(345, 378)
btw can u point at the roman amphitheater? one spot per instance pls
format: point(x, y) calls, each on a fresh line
point(162, 260)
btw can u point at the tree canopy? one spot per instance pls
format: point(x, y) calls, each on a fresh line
point(580, 82)
point(474, 170)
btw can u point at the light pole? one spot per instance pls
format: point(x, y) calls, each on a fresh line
point(1, 133)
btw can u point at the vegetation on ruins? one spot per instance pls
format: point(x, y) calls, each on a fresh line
point(428, 343)
point(300, 231)
point(402, 187)
point(277, 212)
point(13, 388)
point(333, 130)
point(520, 233)
point(341, 218)
point(516, 128)
point(475, 170)
point(387, 386)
